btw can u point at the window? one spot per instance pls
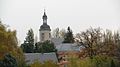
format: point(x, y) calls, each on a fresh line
point(42, 33)
point(42, 36)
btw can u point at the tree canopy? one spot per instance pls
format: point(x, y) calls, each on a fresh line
point(8, 45)
point(68, 38)
point(28, 45)
point(45, 47)
point(96, 41)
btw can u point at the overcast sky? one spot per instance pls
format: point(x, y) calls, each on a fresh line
point(78, 14)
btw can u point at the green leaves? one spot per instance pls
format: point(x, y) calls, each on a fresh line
point(8, 45)
point(45, 47)
point(8, 61)
point(46, 64)
point(96, 61)
point(28, 45)
point(68, 38)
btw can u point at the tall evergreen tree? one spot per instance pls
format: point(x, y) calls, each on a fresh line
point(68, 38)
point(28, 45)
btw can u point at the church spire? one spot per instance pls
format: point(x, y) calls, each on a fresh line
point(44, 12)
point(44, 18)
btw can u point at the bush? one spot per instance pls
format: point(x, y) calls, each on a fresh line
point(8, 61)
point(96, 61)
point(9, 45)
point(45, 64)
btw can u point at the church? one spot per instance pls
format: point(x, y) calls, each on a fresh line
point(45, 34)
point(44, 31)
point(62, 48)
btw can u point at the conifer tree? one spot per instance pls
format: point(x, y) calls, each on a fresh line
point(68, 38)
point(28, 45)
point(45, 47)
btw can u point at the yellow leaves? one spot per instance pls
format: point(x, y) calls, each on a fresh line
point(3, 36)
point(97, 61)
point(2, 27)
point(3, 50)
point(45, 64)
point(8, 44)
point(50, 64)
point(36, 64)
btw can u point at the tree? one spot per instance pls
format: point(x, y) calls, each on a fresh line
point(68, 38)
point(37, 48)
point(62, 33)
point(112, 63)
point(91, 41)
point(56, 33)
point(98, 42)
point(45, 64)
point(109, 47)
point(45, 47)
point(117, 43)
point(8, 45)
point(8, 61)
point(28, 45)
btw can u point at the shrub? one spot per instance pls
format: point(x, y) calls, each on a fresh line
point(96, 61)
point(45, 64)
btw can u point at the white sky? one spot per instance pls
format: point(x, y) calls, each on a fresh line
point(78, 14)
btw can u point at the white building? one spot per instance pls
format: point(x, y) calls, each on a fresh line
point(45, 31)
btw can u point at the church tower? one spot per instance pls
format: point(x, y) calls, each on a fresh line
point(45, 31)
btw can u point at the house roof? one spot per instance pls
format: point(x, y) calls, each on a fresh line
point(68, 47)
point(41, 57)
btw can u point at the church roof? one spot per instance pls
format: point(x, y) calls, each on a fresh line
point(41, 57)
point(68, 47)
point(45, 27)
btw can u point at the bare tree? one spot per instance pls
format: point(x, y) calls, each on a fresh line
point(96, 41)
point(62, 33)
point(91, 40)
point(55, 33)
point(117, 43)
